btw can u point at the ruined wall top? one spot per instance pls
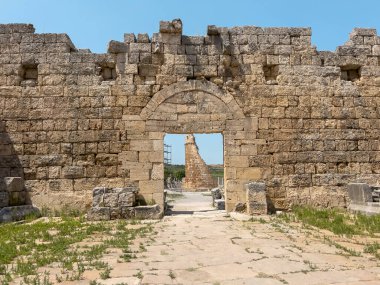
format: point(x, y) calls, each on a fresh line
point(361, 40)
point(190, 139)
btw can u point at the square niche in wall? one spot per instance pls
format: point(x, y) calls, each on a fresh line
point(29, 75)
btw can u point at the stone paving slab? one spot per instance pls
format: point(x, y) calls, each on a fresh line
point(209, 247)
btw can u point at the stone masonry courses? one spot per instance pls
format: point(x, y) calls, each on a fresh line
point(303, 122)
point(198, 175)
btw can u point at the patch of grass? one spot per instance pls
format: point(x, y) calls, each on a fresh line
point(106, 273)
point(338, 221)
point(373, 249)
point(25, 247)
point(346, 250)
point(139, 275)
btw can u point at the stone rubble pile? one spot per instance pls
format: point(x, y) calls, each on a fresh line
point(218, 200)
point(119, 203)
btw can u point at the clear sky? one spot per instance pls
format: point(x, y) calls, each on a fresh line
point(93, 23)
point(210, 147)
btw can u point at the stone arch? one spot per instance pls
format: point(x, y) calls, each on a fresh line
point(192, 85)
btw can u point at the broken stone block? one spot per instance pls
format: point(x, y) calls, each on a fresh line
point(117, 47)
point(147, 212)
point(220, 204)
point(256, 198)
point(359, 193)
point(174, 27)
point(4, 199)
point(212, 30)
point(240, 207)
point(17, 213)
point(14, 184)
point(216, 193)
point(99, 214)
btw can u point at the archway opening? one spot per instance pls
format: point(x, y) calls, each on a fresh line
point(194, 165)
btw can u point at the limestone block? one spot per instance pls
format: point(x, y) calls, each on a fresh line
point(220, 204)
point(174, 26)
point(359, 193)
point(111, 199)
point(256, 198)
point(14, 184)
point(216, 194)
point(73, 172)
point(17, 213)
point(205, 70)
point(147, 69)
point(140, 174)
point(126, 199)
point(236, 161)
point(157, 171)
point(99, 214)
point(252, 173)
point(127, 212)
point(212, 30)
point(147, 212)
point(117, 47)
point(97, 196)
point(50, 160)
point(151, 186)
point(376, 50)
point(60, 184)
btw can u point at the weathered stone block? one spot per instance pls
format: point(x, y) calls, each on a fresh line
point(174, 26)
point(117, 47)
point(17, 213)
point(256, 198)
point(220, 204)
point(216, 194)
point(73, 172)
point(99, 214)
point(126, 199)
point(147, 212)
point(359, 193)
point(111, 199)
point(127, 212)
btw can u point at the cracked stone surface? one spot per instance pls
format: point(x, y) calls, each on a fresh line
point(209, 247)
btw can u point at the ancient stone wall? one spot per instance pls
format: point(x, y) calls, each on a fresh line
point(305, 122)
point(198, 175)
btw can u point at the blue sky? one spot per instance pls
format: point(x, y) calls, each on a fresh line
point(93, 23)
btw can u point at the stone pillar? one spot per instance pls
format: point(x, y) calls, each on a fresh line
point(198, 175)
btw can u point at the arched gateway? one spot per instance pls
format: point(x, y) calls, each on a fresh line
point(195, 106)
